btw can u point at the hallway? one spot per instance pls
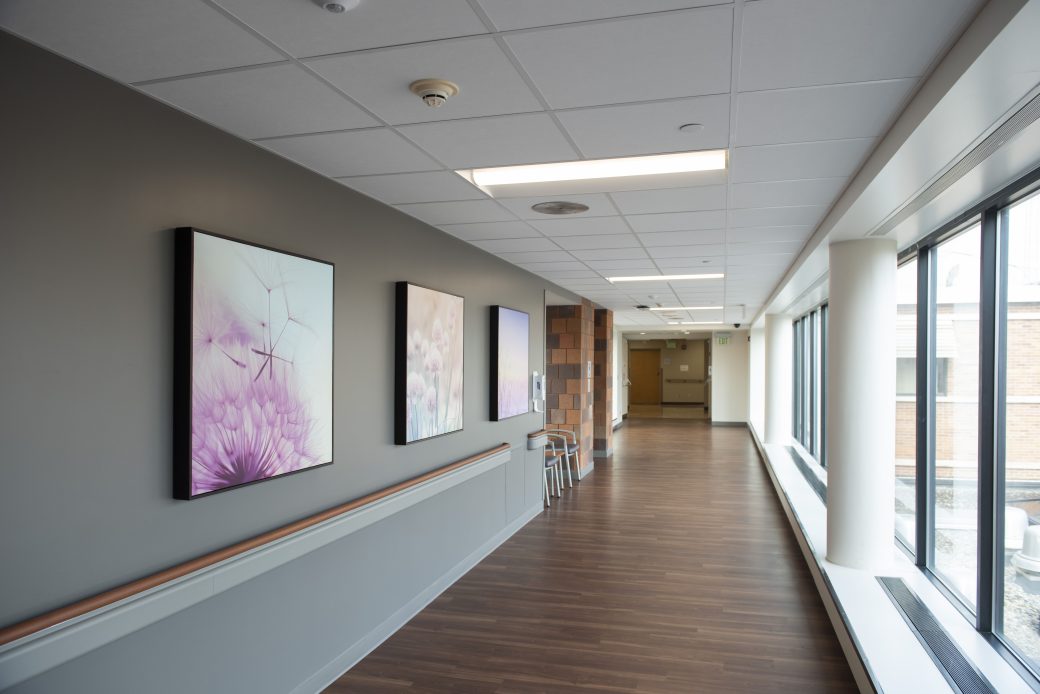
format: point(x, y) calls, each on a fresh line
point(670, 569)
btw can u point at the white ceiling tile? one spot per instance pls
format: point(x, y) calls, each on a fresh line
point(599, 206)
point(567, 274)
point(556, 266)
point(766, 234)
point(304, 29)
point(581, 226)
point(484, 231)
point(735, 249)
point(792, 43)
point(431, 186)
point(263, 102)
point(606, 131)
point(652, 57)
point(776, 216)
point(678, 221)
point(834, 158)
point(357, 153)
point(775, 260)
point(488, 82)
point(459, 212)
point(610, 254)
point(671, 200)
point(495, 141)
point(701, 264)
point(682, 238)
point(641, 264)
point(510, 14)
point(535, 257)
point(592, 242)
point(810, 191)
point(133, 41)
point(819, 113)
point(687, 251)
point(515, 245)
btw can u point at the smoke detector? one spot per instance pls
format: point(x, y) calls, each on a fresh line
point(560, 207)
point(337, 6)
point(434, 92)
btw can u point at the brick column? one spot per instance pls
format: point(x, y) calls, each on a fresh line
point(568, 358)
point(603, 385)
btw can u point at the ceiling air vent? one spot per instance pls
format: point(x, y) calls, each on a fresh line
point(1018, 122)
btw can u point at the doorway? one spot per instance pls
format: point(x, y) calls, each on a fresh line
point(644, 372)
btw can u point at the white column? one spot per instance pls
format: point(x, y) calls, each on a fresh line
point(861, 404)
point(779, 344)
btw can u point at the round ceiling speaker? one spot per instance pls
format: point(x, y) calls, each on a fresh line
point(560, 207)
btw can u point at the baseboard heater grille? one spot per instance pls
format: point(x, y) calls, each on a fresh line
point(951, 661)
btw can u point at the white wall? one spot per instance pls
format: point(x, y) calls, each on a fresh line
point(730, 365)
point(619, 376)
point(757, 378)
point(624, 377)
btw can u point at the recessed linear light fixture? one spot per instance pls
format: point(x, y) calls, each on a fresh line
point(668, 278)
point(601, 175)
point(694, 322)
point(686, 308)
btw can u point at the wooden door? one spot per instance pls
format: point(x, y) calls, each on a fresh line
point(644, 371)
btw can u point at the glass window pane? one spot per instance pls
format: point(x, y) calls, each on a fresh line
point(956, 413)
point(906, 402)
point(1022, 432)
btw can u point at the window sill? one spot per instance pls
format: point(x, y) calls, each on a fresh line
point(882, 651)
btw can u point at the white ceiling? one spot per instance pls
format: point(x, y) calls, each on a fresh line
point(798, 91)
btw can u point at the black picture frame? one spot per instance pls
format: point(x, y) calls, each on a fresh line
point(401, 338)
point(494, 376)
point(183, 364)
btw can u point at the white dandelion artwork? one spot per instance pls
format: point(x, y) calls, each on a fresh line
point(429, 363)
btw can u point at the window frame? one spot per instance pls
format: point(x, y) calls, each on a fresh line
point(992, 214)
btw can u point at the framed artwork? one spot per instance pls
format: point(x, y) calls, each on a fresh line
point(253, 352)
point(510, 336)
point(428, 379)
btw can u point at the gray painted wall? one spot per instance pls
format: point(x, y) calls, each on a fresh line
point(93, 180)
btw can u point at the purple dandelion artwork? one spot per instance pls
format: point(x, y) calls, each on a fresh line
point(510, 337)
point(429, 364)
point(254, 363)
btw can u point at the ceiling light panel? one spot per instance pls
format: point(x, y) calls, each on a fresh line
point(625, 168)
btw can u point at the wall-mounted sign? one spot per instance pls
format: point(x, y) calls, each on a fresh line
point(723, 338)
point(669, 344)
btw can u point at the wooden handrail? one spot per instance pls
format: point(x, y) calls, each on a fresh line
point(536, 434)
point(82, 607)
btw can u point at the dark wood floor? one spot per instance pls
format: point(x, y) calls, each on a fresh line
point(670, 569)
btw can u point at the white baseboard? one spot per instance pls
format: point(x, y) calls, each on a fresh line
point(368, 643)
point(587, 470)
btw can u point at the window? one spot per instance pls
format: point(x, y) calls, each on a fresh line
point(906, 403)
point(968, 327)
point(906, 374)
point(809, 392)
point(1020, 316)
point(956, 464)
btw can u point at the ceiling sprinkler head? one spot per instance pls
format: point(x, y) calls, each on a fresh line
point(434, 92)
point(337, 6)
